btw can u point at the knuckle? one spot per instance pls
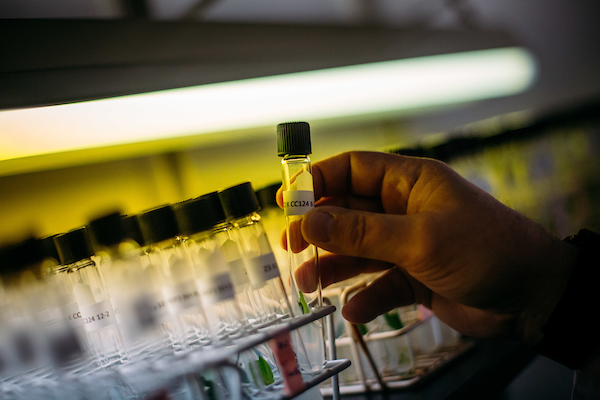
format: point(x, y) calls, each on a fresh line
point(357, 233)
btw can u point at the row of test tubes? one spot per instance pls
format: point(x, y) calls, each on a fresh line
point(126, 292)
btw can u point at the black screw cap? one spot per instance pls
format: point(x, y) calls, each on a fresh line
point(108, 230)
point(266, 195)
point(293, 138)
point(73, 246)
point(158, 224)
point(199, 214)
point(239, 201)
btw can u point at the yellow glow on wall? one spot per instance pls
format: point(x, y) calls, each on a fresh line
point(398, 85)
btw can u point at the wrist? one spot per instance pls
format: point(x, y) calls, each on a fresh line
point(550, 283)
point(570, 332)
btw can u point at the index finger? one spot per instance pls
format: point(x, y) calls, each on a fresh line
point(370, 174)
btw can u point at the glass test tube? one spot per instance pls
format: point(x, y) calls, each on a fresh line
point(200, 220)
point(60, 313)
point(75, 251)
point(168, 267)
point(24, 342)
point(169, 262)
point(241, 207)
point(232, 252)
point(273, 220)
point(119, 262)
point(151, 278)
point(294, 146)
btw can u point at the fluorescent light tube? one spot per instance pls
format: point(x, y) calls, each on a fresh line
point(398, 85)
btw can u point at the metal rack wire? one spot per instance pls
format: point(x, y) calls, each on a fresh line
point(369, 377)
point(189, 375)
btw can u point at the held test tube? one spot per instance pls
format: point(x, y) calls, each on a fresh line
point(294, 146)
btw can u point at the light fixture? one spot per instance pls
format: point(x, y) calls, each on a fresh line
point(388, 86)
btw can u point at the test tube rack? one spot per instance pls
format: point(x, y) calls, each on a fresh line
point(156, 379)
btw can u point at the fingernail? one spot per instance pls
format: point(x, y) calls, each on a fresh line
point(319, 225)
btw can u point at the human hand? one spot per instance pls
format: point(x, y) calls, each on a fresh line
point(483, 268)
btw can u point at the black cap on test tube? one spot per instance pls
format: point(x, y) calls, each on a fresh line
point(73, 246)
point(215, 201)
point(239, 200)
point(49, 247)
point(158, 224)
point(266, 195)
point(18, 257)
point(198, 214)
point(132, 227)
point(107, 230)
point(293, 138)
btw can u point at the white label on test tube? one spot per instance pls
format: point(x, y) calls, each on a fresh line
point(239, 275)
point(117, 303)
point(298, 202)
point(72, 314)
point(182, 296)
point(216, 288)
point(98, 316)
point(262, 269)
point(159, 307)
point(68, 313)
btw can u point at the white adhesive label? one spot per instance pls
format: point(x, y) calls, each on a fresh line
point(216, 288)
point(159, 307)
point(98, 316)
point(298, 202)
point(136, 314)
point(182, 296)
point(261, 269)
point(239, 275)
point(116, 306)
point(69, 312)
point(72, 314)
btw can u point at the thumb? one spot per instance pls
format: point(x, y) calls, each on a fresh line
point(358, 233)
